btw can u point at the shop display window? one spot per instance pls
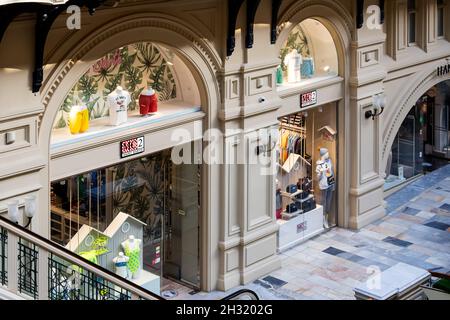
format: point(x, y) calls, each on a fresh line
point(422, 143)
point(307, 173)
point(134, 85)
point(131, 217)
point(309, 55)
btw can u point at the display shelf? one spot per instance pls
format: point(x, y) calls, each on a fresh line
point(99, 128)
point(305, 84)
point(300, 229)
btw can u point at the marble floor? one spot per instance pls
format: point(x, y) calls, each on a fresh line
point(416, 231)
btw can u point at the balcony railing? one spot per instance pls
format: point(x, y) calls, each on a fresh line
point(35, 268)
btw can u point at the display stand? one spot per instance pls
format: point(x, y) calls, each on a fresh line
point(300, 228)
point(122, 227)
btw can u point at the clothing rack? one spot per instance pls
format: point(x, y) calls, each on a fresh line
point(292, 128)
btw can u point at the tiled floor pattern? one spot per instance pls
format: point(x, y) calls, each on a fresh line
point(331, 265)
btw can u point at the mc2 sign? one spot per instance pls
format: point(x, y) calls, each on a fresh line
point(308, 99)
point(132, 147)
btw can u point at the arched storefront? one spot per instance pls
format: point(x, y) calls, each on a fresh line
point(311, 175)
point(417, 137)
point(112, 177)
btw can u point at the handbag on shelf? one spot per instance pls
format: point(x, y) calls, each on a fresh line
point(292, 208)
point(307, 205)
point(292, 188)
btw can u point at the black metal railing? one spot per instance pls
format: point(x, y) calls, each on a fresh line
point(71, 282)
point(44, 270)
point(244, 294)
point(28, 260)
point(3, 257)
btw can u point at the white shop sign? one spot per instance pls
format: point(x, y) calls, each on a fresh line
point(132, 147)
point(308, 99)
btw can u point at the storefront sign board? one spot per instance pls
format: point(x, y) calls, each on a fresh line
point(132, 147)
point(308, 99)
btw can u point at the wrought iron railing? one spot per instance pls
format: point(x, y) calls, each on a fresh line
point(33, 267)
point(244, 294)
point(3, 256)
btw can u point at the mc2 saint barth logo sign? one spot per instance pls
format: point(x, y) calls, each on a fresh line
point(443, 70)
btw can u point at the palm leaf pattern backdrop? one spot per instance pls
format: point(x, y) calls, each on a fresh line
point(134, 67)
point(297, 40)
point(140, 189)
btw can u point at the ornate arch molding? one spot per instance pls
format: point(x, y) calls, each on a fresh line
point(423, 82)
point(127, 23)
point(297, 6)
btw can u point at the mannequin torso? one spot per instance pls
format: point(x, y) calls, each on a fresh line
point(118, 102)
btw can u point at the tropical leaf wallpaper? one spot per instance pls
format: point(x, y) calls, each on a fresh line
point(140, 188)
point(296, 40)
point(133, 67)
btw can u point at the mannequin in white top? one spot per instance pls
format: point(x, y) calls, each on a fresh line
point(132, 249)
point(293, 62)
point(120, 263)
point(118, 102)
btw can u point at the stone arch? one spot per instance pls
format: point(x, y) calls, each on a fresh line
point(202, 60)
point(329, 13)
point(71, 61)
point(421, 83)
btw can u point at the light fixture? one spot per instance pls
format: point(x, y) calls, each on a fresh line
point(378, 104)
point(13, 211)
point(30, 208)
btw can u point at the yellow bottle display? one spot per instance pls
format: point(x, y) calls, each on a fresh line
point(79, 119)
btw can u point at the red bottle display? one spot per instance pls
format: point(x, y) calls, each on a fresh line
point(148, 102)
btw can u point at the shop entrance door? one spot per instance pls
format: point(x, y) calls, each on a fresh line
point(181, 235)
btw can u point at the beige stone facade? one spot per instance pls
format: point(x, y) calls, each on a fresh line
point(237, 223)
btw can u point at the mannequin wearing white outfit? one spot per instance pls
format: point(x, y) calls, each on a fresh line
point(120, 263)
point(293, 62)
point(118, 102)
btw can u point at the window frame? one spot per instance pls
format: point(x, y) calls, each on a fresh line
point(409, 13)
point(443, 7)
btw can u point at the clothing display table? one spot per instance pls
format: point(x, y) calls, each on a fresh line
point(300, 229)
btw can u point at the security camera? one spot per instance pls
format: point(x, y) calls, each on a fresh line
point(262, 100)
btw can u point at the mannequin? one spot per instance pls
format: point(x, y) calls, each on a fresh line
point(120, 262)
point(78, 119)
point(132, 249)
point(118, 102)
point(293, 62)
point(148, 102)
point(327, 182)
point(279, 201)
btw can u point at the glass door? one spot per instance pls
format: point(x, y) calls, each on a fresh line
point(181, 235)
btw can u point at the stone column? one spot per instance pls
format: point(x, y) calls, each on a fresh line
point(367, 175)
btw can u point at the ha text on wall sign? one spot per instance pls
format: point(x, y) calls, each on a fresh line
point(132, 147)
point(308, 99)
point(443, 70)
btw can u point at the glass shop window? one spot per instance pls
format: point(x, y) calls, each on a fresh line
point(132, 85)
point(441, 18)
point(309, 54)
point(94, 214)
point(412, 27)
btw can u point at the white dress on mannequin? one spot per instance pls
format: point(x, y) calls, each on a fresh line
point(293, 62)
point(118, 102)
